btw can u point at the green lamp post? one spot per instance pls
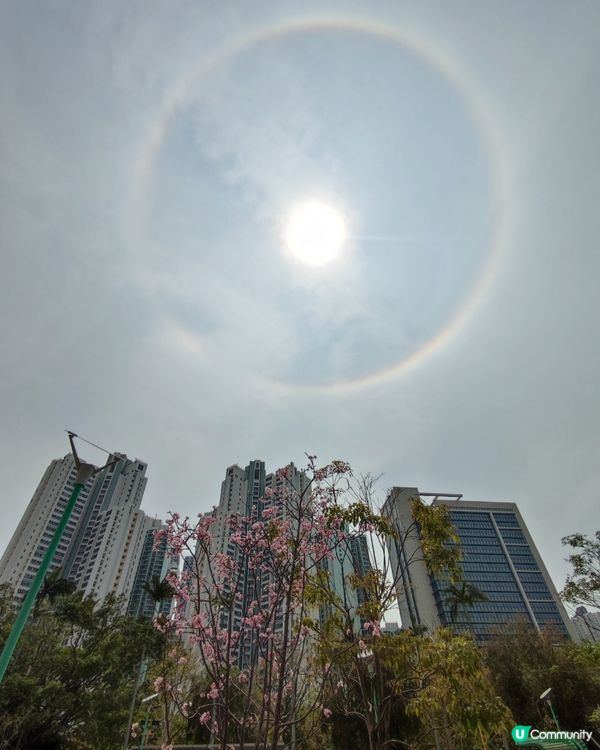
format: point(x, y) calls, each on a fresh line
point(84, 472)
point(545, 696)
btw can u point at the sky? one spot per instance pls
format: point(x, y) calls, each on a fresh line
point(151, 155)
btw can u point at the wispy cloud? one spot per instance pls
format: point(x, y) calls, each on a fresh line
point(163, 338)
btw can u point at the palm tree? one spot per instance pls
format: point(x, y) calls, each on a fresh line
point(158, 590)
point(54, 586)
point(461, 596)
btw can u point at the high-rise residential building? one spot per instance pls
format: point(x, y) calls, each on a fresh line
point(105, 538)
point(28, 545)
point(499, 559)
point(155, 563)
point(586, 624)
point(350, 558)
point(243, 493)
point(106, 546)
point(339, 568)
point(247, 492)
point(361, 561)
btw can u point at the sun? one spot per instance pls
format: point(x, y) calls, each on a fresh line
point(315, 233)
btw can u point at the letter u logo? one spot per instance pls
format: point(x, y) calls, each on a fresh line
point(520, 733)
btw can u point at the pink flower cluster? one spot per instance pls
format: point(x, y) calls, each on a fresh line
point(374, 627)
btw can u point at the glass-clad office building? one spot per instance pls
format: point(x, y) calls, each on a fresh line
point(499, 560)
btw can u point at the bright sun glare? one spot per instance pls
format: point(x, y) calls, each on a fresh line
point(315, 233)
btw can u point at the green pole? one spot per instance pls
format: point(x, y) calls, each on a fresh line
point(84, 472)
point(145, 731)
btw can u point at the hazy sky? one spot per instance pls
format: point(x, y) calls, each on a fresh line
point(151, 154)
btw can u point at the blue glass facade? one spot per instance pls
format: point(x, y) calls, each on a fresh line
point(150, 565)
point(498, 560)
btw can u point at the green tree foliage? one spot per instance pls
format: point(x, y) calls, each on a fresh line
point(583, 584)
point(461, 596)
point(158, 590)
point(423, 691)
point(450, 691)
point(69, 682)
point(439, 540)
point(54, 586)
point(524, 664)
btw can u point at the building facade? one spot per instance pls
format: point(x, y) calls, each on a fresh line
point(499, 560)
point(587, 625)
point(155, 562)
point(251, 492)
point(106, 546)
point(104, 541)
point(339, 568)
point(361, 561)
point(29, 543)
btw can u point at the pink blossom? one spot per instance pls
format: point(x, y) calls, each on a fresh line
point(327, 712)
point(213, 693)
point(198, 621)
point(204, 718)
point(158, 536)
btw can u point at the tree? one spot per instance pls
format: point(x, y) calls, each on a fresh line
point(461, 596)
point(450, 690)
point(357, 654)
point(68, 684)
point(583, 583)
point(55, 585)
point(158, 590)
point(524, 663)
point(438, 688)
point(246, 612)
point(271, 606)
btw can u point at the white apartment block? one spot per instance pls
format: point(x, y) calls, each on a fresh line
point(28, 545)
point(244, 492)
point(109, 541)
point(587, 624)
point(101, 546)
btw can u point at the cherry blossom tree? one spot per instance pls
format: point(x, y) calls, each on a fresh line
point(242, 605)
point(275, 613)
